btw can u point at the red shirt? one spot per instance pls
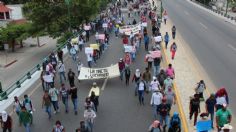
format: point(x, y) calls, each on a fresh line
point(125, 40)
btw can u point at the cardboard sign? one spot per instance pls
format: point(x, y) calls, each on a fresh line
point(74, 40)
point(128, 49)
point(86, 28)
point(88, 50)
point(101, 36)
point(94, 46)
point(155, 54)
point(104, 25)
point(130, 28)
point(99, 73)
point(158, 39)
point(144, 24)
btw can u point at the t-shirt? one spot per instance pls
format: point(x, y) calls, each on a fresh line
point(223, 117)
point(53, 92)
point(210, 105)
point(164, 109)
point(170, 72)
point(73, 93)
point(169, 97)
point(195, 104)
point(168, 83)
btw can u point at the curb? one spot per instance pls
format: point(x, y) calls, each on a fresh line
point(179, 103)
point(7, 65)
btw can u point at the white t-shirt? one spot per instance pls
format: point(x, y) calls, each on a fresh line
point(53, 92)
point(141, 86)
point(221, 100)
point(156, 98)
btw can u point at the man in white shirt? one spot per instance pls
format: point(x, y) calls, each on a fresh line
point(61, 71)
point(141, 88)
point(156, 101)
point(154, 85)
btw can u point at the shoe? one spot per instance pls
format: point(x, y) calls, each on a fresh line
point(54, 112)
point(76, 113)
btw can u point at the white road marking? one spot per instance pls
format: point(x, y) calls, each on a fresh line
point(104, 84)
point(203, 25)
point(186, 12)
point(231, 47)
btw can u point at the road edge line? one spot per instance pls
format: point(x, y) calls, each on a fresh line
point(179, 103)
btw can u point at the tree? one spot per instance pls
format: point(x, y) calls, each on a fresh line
point(55, 17)
point(14, 1)
point(14, 33)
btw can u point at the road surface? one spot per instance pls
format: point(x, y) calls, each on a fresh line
point(212, 40)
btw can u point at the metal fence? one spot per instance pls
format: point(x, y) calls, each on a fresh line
point(27, 75)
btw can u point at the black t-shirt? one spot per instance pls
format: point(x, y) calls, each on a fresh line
point(73, 93)
point(164, 109)
point(71, 75)
point(157, 61)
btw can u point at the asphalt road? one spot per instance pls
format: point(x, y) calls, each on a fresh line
point(212, 40)
point(119, 109)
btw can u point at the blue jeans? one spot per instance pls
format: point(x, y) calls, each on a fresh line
point(141, 96)
point(90, 126)
point(74, 57)
point(27, 127)
point(155, 111)
point(55, 105)
point(212, 118)
point(62, 75)
point(48, 110)
point(156, 70)
point(164, 119)
point(121, 74)
point(75, 103)
point(65, 102)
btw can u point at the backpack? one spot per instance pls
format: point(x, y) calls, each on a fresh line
point(174, 121)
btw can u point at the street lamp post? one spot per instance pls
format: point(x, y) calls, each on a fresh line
point(68, 2)
point(227, 6)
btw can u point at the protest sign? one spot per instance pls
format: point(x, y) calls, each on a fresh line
point(99, 73)
point(94, 46)
point(74, 40)
point(88, 50)
point(86, 28)
point(144, 24)
point(155, 54)
point(101, 36)
point(130, 28)
point(128, 49)
point(104, 25)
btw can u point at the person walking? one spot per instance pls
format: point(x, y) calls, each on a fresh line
point(173, 49)
point(46, 103)
point(74, 98)
point(166, 39)
point(6, 122)
point(29, 106)
point(156, 65)
point(79, 66)
point(210, 107)
point(155, 127)
point(60, 55)
point(170, 71)
point(173, 29)
point(71, 77)
point(89, 116)
point(58, 127)
point(16, 105)
point(136, 77)
point(175, 123)
point(194, 108)
point(61, 71)
point(127, 74)
point(154, 85)
point(73, 53)
point(25, 119)
point(121, 68)
point(141, 89)
point(94, 94)
point(165, 16)
point(146, 41)
point(223, 116)
point(164, 110)
point(147, 77)
point(83, 127)
point(168, 82)
point(54, 94)
point(161, 78)
point(156, 101)
point(201, 86)
point(170, 97)
point(64, 96)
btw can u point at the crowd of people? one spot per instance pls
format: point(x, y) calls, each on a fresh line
point(156, 80)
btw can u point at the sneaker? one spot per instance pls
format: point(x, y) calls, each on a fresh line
point(76, 112)
point(55, 112)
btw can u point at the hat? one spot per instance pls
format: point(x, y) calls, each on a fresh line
point(94, 83)
point(224, 105)
point(227, 126)
point(154, 78)
point(137, 70)
point(121, 59)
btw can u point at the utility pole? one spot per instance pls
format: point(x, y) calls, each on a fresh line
point(68, 2)
point(227, 6)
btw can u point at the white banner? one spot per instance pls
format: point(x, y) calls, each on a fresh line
point(130, 28)
point(99, 73)
point(88, 50)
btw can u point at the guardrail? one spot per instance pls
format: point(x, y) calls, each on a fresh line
point(27, 75)
point(233, 18)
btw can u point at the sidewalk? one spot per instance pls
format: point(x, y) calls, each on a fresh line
point(188, 72)
point(24, 59)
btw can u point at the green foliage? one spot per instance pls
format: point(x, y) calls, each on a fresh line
point(14, 33)
point(57, 16)
point(14, 1)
